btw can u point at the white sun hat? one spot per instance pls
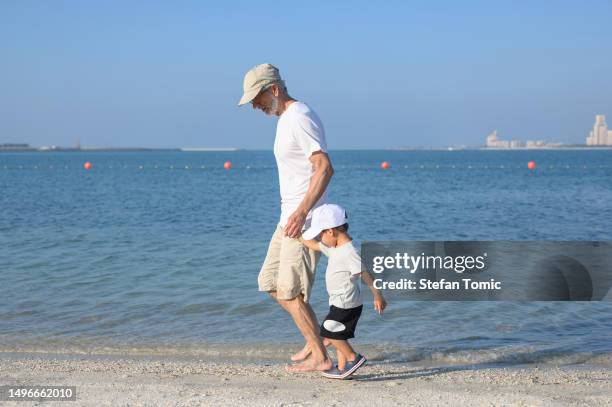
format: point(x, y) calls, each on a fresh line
point(326, 216)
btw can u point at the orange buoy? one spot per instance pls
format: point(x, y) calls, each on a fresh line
point(531, 165)
point(227, 165)
point(87, 165)
point(384, 165)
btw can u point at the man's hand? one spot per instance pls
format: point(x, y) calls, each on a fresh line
point(379, 304)
point(295, 223)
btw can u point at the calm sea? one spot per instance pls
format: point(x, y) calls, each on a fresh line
point(160, 251)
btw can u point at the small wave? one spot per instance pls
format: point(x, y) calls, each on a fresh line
point(279, 352)
point(512, 355)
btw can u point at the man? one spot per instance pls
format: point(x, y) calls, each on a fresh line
point(304, 171)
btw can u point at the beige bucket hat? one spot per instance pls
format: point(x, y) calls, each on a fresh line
point(257, 79)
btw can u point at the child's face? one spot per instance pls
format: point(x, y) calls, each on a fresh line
point(328, 238)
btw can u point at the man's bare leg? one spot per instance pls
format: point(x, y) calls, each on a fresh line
point(301, 312)
point(303, 354)
point(318, 358)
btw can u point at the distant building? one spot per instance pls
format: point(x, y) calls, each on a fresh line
point(45, 148)
point(535, 143)
point(600, 135)
point(494, 142)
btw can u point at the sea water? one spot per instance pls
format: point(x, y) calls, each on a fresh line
point(160, 251)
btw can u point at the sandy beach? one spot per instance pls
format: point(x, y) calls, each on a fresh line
point(146, 381)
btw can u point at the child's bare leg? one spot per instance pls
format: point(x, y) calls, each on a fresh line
point(341, 359)
point(344, 351)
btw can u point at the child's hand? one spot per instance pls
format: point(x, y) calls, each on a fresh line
point(311, 244)
point(379, 304)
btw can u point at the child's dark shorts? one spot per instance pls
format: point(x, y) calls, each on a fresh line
point(340, 323)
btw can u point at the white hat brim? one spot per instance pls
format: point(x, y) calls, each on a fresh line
point(311, 233)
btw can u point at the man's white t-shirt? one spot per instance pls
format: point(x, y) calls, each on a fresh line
point(299, 133)
point(342, 278)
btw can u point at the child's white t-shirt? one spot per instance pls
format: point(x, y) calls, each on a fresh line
point(342, 277)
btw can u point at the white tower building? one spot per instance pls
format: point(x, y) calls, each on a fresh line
point(492, 139)
point(600, 135)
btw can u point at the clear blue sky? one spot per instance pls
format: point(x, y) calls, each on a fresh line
point(380, 74)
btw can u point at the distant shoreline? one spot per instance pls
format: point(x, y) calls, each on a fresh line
point(127, 149)
point(499, 149)
point(232, 149)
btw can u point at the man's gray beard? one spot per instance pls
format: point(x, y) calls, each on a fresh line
point(274, 106)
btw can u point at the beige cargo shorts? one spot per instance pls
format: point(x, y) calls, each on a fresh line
point(289, 267)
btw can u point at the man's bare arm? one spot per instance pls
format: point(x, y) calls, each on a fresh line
point(319, 181)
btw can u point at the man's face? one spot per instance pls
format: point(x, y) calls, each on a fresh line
point(267, 101)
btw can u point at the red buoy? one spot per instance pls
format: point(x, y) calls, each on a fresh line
point(227, 165)
point(384, 165)
point(87, 165)
point(531, 165)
